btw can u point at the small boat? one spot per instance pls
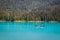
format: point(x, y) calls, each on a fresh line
point(39, 26)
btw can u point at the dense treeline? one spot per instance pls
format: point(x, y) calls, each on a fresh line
point(30, 10)
point(51, 14)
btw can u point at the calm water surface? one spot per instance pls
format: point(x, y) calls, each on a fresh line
point(29, 31)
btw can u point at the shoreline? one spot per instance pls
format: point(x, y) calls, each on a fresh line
point(29, 21)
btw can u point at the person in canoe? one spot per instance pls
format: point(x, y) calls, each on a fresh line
point(39, 26)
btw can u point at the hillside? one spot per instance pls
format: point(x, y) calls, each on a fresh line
point(30, 10)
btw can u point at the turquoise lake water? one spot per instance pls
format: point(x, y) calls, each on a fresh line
point(29, 31)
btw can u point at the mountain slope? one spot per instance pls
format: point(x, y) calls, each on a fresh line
point(26, 4)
